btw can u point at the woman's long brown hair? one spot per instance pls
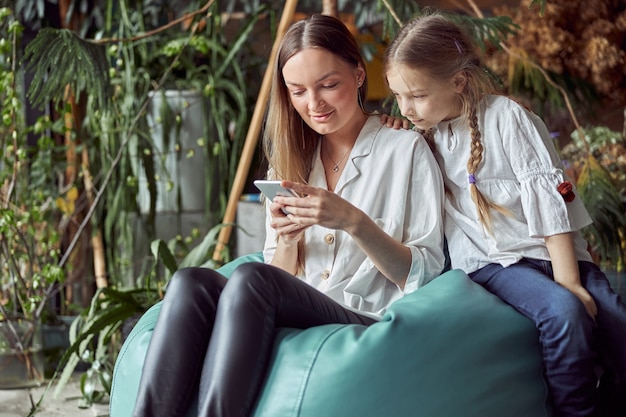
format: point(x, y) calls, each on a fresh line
point(289, 143)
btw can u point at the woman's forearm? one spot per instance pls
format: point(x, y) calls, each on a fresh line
point(391, 258)
point(286, 256)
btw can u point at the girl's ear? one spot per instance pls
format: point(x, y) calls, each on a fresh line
point(460, 81)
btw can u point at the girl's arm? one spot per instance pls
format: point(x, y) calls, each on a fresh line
point(565, 267)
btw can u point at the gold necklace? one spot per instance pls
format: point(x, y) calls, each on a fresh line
point(336, 164)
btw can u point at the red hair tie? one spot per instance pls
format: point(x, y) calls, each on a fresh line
point(566, 190)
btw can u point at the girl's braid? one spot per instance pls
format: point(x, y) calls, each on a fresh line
point(483, 205)
point(476, 146)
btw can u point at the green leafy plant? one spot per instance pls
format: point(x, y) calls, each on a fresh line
point(114, 92)
point(597, 161)
point(31, 218)
point(115, 87)
point(95, 335)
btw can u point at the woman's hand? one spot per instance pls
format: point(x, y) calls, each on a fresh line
point(286, 229)
point(317, 206)
point(395, 122)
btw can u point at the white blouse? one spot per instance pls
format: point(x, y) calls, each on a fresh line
point(521, 171)
point(393, 177)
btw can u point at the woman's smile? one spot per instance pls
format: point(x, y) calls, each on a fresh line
point(321, 118)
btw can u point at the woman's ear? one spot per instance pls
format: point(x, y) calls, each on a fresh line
point(360, 76)
point(460, 81)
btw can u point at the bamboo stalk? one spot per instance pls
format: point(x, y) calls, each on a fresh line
point(249, 147)
point(329, 8)
point(99, 262)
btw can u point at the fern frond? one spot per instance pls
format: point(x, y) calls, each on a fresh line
point(542, 5)
point(487, 31)
point(58, 58)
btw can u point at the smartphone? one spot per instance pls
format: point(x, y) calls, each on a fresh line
point(271, 189)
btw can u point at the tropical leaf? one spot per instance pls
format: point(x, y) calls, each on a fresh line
point(526, 79)
point(162, 252)
point(541, 3)
point(606, 209)
point(203, 251)
point(108, 310)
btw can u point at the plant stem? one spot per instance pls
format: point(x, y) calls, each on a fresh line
point(14, 122)
point(392, 12)
point(159, 29)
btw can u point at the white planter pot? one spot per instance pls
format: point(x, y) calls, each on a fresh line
point(180, 179)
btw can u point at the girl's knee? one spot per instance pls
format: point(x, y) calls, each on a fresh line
point(567, 310)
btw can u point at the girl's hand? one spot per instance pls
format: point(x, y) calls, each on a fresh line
point(586, 298)
point(395, 122)
point(317, 207)
point(565, 268)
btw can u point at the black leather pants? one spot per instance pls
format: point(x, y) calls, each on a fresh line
point(221, 350)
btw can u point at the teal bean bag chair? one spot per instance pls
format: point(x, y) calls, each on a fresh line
point(450, 349)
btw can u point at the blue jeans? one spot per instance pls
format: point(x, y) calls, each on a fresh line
point(575, 347)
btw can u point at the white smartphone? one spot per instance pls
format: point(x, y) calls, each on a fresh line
point(272, 188)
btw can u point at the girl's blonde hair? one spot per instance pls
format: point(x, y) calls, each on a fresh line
point(434, 43)
point(289, 143)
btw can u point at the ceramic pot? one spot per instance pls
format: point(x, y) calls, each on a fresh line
point(21, 354)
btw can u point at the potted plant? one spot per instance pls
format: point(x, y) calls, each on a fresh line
point(31, 222)
point(197, 121)
point(114, 131)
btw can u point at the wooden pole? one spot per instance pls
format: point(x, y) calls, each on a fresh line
point(330, 8)
point(247, 153)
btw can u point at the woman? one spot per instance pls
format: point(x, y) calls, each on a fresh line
point(366, 230)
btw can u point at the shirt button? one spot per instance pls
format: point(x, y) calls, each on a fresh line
point(329, 238)
point(325, 274)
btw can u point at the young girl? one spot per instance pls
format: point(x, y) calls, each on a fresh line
point(512, 219)
point(362, 235)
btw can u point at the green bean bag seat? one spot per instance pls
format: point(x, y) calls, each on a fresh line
point(450, 349)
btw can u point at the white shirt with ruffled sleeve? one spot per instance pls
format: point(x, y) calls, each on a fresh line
point(520, 170)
